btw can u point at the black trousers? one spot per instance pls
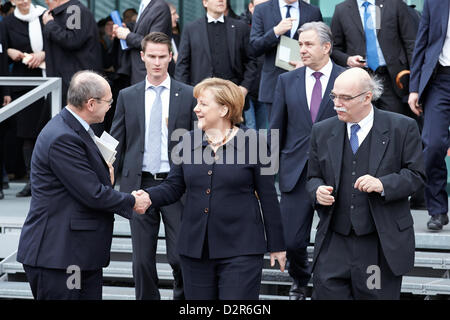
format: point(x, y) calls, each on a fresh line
point(144, 236)
point(345, 270)
point(435, 137)
point(52, 284)
point(297, 216)
point(235, 278)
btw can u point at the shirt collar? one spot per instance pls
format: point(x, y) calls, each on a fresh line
point(326, 70)
point(360, 2)
point(283, 4)
point(165, 83)
point(211, 19)
point(364, 122)
point(80, 120)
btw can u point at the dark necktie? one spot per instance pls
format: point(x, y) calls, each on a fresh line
point(288, 15)
point(316, 96)
point(354, 143)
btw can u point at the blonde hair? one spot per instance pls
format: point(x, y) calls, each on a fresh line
point(225, 93)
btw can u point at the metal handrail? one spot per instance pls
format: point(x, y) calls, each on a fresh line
point(44, 86)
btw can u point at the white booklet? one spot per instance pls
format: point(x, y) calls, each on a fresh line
point(288, 50)
point(107, 146)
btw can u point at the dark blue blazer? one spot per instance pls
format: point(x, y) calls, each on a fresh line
point(429, 43)
point(291, 116)
point(72, 208)
point(264, 41)
point(221, 204)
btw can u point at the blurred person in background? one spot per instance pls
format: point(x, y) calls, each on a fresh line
point(26, 49)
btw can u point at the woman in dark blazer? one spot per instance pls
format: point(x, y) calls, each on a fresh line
point(25, 40)
point(223, 235)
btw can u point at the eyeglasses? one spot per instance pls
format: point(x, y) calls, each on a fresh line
point(109, 102)
point(345, 98)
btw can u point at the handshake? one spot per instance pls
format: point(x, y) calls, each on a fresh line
point(142, 201)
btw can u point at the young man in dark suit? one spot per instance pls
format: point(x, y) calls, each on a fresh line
point(153, 15)
point(66, 238)
point(216, 46)
point(429, 94)
point(147, 115)
point(271, 20)
point(379, 35)
point(363, 165)
point(301, 99)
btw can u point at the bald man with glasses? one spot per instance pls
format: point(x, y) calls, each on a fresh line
point(363, 165)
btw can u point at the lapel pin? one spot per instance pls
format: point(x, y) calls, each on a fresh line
point(384, 142)
point(381, 6)
point(176, 94)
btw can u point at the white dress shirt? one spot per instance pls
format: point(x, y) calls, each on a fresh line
point(444, 57)
point(211, 19)
point(150, 96)
point(375, 18)
point(294, 14)
point(310, 80)
point(365, 125)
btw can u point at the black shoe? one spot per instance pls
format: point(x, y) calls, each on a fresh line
point(297, 292)
point(437, 221)
point(26, 191)
point(1, 195)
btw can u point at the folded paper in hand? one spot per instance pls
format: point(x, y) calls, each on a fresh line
point(107, 146)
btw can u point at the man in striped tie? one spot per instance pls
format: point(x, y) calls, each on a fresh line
point(301, 99)
point(363, 165)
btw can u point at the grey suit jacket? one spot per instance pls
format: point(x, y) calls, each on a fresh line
point(396, 34)
point(128, 127)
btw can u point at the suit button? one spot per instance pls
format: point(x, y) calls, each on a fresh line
point(208, 191)
point(352, 207)
point(209, 172)
point(353, 173)
point(206, 210)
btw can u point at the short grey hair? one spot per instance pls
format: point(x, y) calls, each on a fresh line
point(374, 84)
point(85, 85)
point(323, 31)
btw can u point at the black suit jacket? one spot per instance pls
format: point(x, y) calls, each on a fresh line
point(396, 35)
point(292, 117)
point(155, 17)
point(263, 40)
point(194, 55)
point(72, 208)
point(69, 50)
point(128, 127)
point(229, 215)
point(395, 158)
